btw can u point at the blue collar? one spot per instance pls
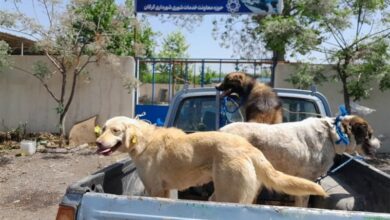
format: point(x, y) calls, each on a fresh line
point(343, 136)
point(238, 105)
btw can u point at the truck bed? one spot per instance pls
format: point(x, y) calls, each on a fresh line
point(119, 188)
point(122, 207)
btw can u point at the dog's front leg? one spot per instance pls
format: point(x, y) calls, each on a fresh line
point(154, 186)
point(159, 192)
point(301, 201)
point(212, 197)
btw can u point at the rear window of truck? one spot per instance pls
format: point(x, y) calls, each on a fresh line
point(199, 113)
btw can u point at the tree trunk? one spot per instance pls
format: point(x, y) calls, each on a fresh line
point(343, 75)
point(62, 128)
point(346, 95)
point(64, 111)
point(276, 57)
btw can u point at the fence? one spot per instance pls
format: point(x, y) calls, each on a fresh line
point(162, 77)
point(167, 76)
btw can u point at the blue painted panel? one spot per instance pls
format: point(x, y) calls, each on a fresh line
point(154, 113)
point(262, 7)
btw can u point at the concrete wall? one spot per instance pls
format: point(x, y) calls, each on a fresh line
point(24, 99)
point(378, 100)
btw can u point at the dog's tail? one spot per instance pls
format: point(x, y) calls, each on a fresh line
point(281, 182)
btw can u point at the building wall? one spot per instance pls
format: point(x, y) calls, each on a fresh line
point(24, 99)
point(378, 100)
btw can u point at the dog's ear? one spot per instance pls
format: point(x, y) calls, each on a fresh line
point(358, 127)
point(130, 137)
point(361, 130)
point(346, 124)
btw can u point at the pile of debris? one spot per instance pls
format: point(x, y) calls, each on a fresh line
point(9, 140)
point(81, 136)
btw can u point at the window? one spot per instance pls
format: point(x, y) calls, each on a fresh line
point(295, 109)
point(197, 114)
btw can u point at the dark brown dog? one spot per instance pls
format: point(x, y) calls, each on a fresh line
point(260, 102)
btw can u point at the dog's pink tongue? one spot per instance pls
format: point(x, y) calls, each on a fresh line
point(104, 151)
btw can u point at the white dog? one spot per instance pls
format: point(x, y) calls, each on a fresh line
point(307, 148)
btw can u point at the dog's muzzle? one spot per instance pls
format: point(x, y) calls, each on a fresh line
point(104, 150)
point(370, 146)
point(225, 92)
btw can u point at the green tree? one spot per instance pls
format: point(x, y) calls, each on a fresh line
point(363, 59)
point(85, 33)
point(307, 75)
point(295, 30)
point(138, 40)
point(209, 75)
point(174, 45)
point(358, 34)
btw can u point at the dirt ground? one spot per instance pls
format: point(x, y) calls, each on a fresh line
point(31, 187)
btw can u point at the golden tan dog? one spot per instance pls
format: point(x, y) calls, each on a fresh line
point(168, 158)
point(307, 148)
point(259, 100)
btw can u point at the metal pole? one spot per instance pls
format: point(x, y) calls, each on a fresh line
point(137, 77)
point(220, 70)
point(170, 80)
point(273, 69)
point(153, 80)
point(186, 73)
point(202, 75)
point(194, 81)
point(136, 68)
point(254, 69)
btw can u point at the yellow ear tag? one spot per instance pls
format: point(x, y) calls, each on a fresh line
point(98, 130)
point(134, 140)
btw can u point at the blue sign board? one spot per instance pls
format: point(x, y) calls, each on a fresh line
point(262, 7)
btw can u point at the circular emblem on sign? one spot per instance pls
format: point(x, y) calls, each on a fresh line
point(233, 6)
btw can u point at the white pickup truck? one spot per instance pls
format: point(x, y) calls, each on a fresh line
point(359, 190)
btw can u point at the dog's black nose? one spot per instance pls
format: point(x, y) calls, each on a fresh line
point(99, 144)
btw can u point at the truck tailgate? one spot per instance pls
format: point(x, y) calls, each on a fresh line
point(107, 206)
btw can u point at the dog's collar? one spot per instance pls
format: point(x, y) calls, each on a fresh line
point(343, 137)
point(238, 105)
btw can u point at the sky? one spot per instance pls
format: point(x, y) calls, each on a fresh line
point(202, 44)
point(200, 39)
